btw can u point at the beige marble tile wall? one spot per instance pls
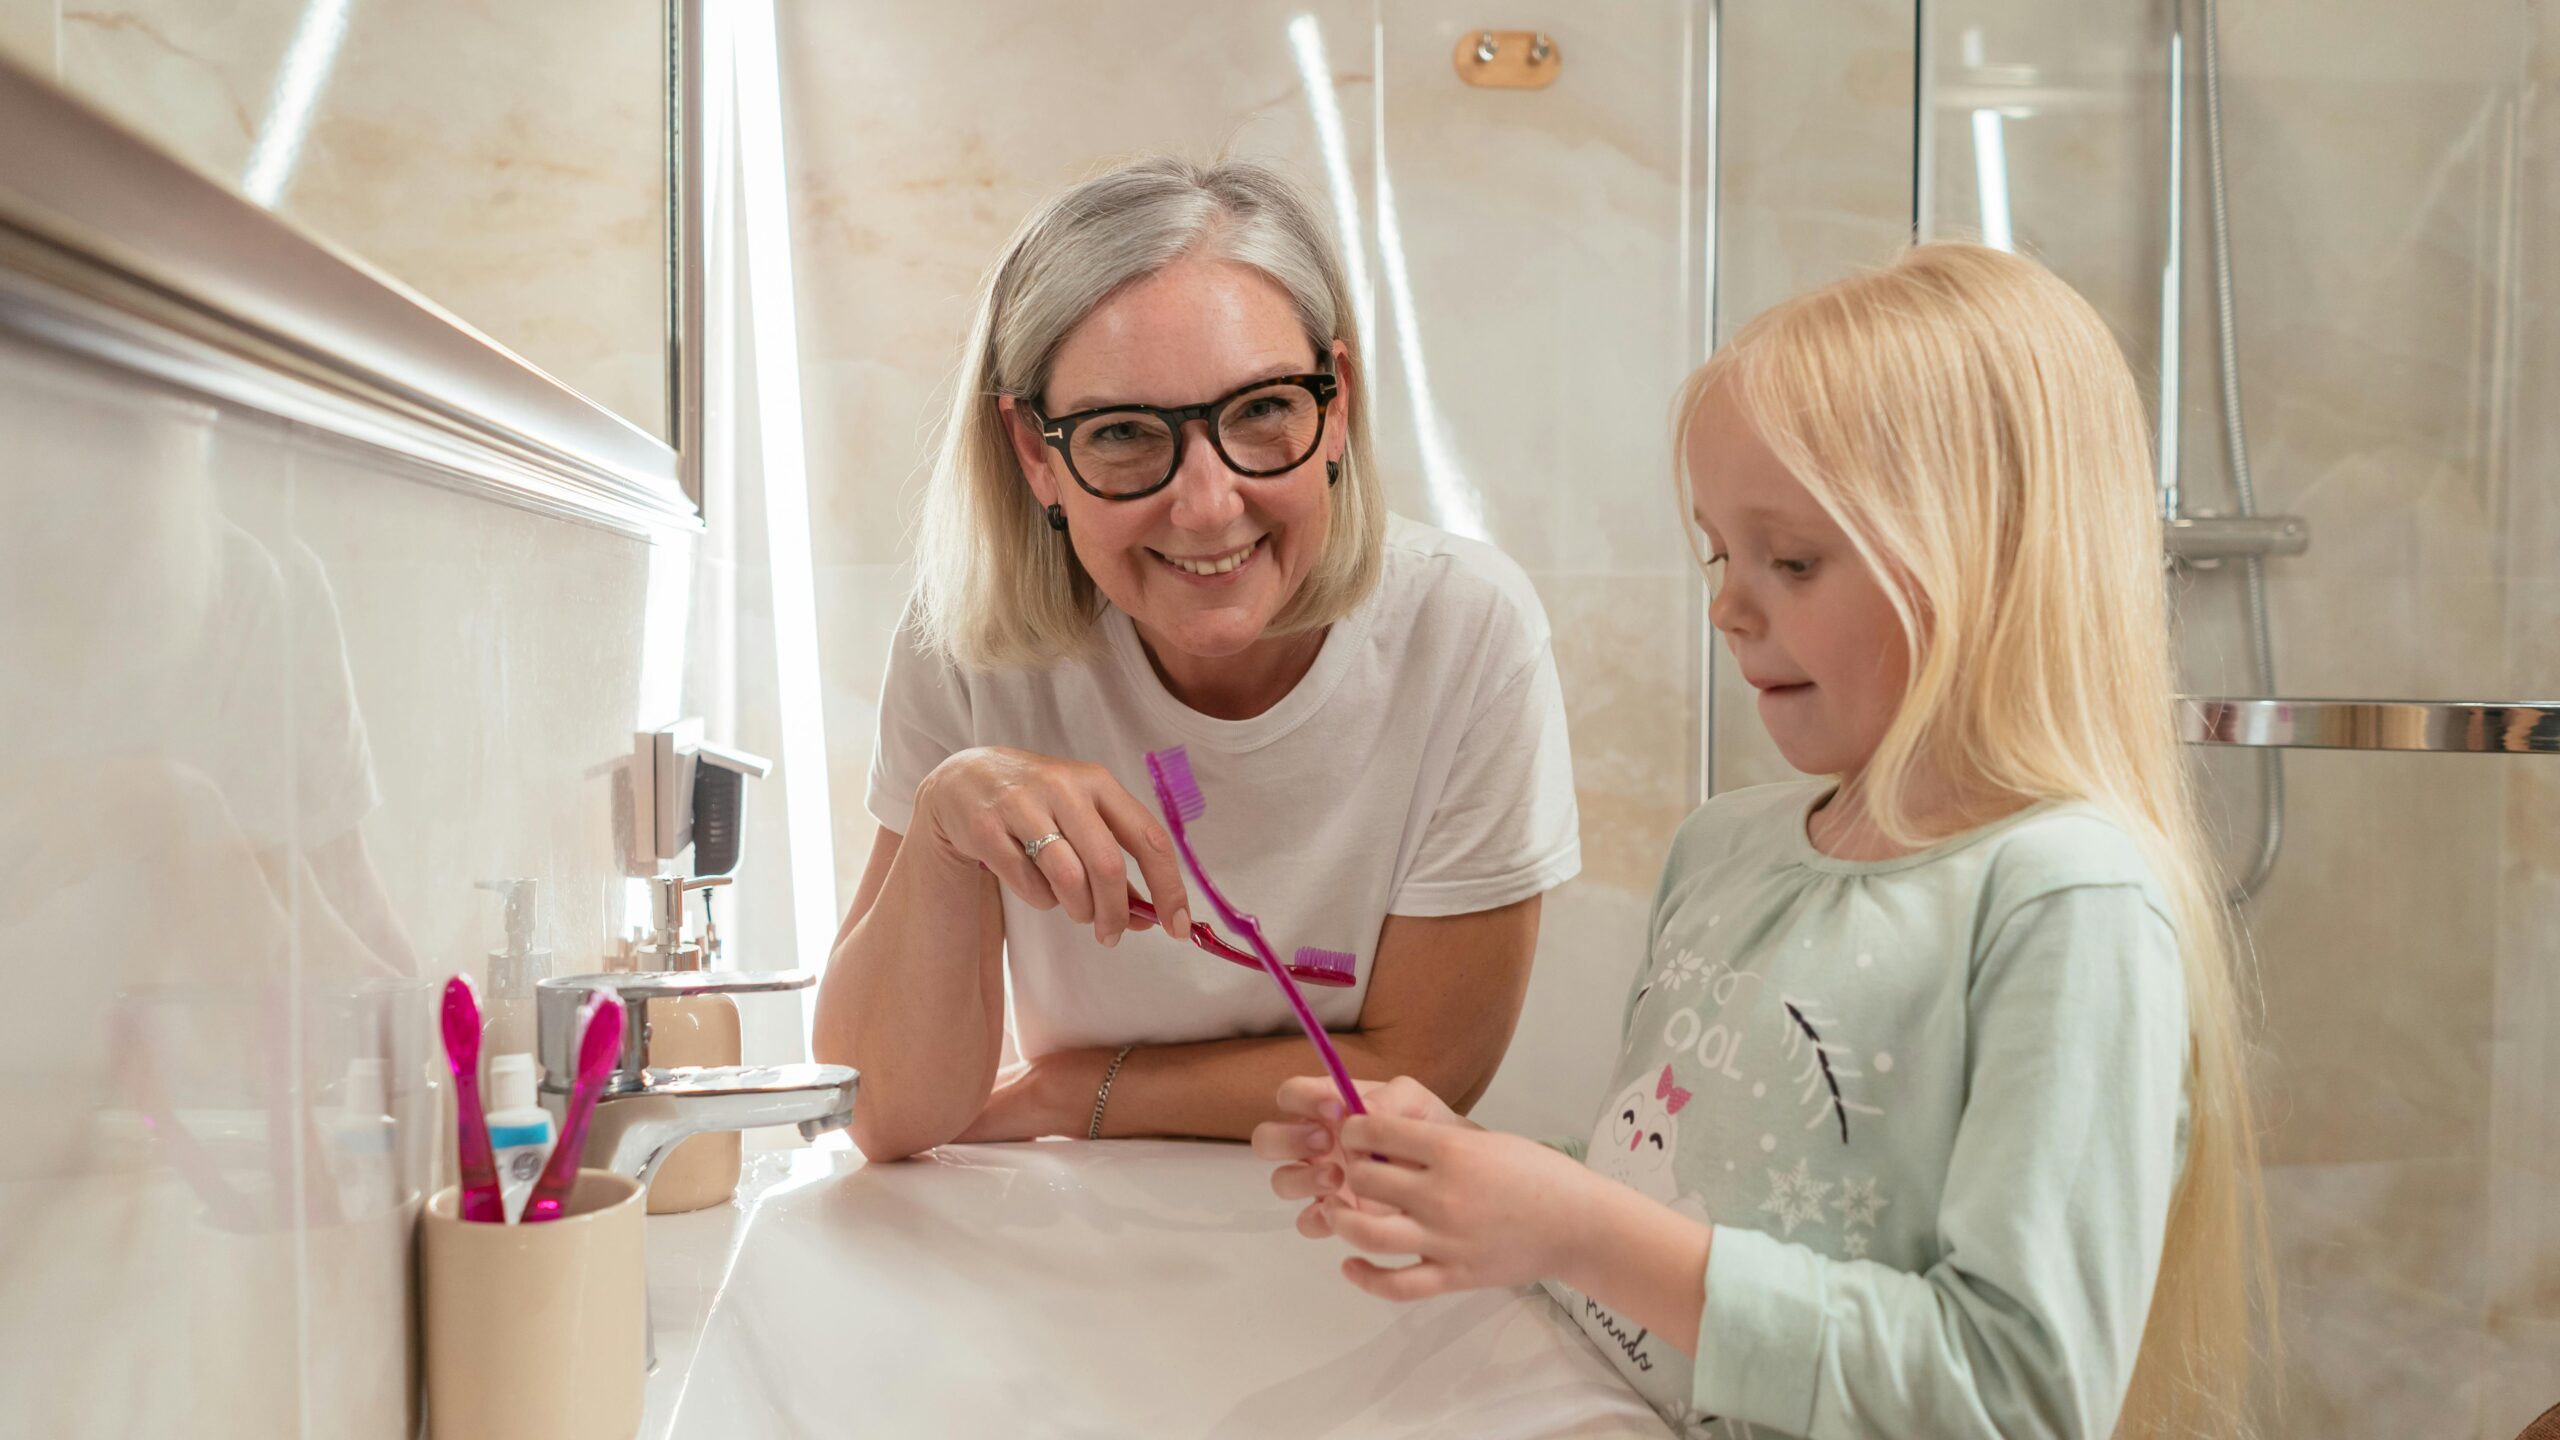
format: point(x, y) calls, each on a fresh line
point(1524, 390)
point(272, 707)
point(1815, 136)
point(1538, 253)
point(506, 161)
point(2379, 170)
point(27, 32)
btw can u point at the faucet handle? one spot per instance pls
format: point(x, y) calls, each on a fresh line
point(558, 998)
point(667, 901)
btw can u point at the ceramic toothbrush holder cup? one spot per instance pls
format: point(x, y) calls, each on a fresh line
point(537, 1332)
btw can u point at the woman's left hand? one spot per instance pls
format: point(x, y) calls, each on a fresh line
point(1479, 1208)
point(1048, 1095)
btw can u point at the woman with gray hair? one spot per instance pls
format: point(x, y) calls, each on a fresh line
point(1154, 521)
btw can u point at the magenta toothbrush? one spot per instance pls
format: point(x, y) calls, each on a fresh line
point(1330, 968)
point(599, 1045)
point(1182, 801)
point(480, 1197)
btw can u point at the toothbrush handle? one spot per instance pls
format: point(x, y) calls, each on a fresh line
point(1248, 927)
point(599, 1039)
point(560, 1173)
point(1201, 935)
point(1306, 1018)
point(1251, 930)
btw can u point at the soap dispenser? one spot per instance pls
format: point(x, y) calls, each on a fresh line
point(696, 1030)
point(510, 1026)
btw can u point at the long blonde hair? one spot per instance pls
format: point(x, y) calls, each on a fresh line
point(1971, 423)
point(995, 586)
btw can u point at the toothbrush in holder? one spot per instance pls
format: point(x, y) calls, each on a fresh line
point(480, 1196)
point(599, 1045)
point(1179, 796)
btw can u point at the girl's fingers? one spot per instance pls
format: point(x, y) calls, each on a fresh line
point(1394, 1137)
point(1379, 1233)
point(1290, 1140)
point(1418, 1281)
point(1411, 1191)
point(1406, 1097)
point(1310, 1097)
point(1299, 1182)
point(1313, 1223)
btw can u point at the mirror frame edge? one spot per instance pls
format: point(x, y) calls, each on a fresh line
point(113, 250)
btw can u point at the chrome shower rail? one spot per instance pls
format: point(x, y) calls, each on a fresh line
point(2525, 727)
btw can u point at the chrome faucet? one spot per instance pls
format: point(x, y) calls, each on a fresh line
point(645, 1112)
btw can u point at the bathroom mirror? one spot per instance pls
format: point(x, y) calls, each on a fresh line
point(512, 164)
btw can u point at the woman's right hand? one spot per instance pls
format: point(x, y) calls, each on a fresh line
point(1306, 1139)
point(985, 805)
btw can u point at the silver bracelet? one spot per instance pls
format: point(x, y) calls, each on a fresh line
point(1102, 1096)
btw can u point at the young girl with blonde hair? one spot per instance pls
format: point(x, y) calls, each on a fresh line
point(1931, 1116)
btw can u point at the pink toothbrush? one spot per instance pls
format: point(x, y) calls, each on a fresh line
point(1330, 968)
point(480, 1198)
point(1182, 801)
point(599, 1045)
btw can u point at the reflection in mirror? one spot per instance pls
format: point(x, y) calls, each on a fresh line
point(220, 1080)
point(507, 162)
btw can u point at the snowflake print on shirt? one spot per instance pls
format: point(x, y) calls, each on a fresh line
point(1859, 1202)
point(1795, 1197)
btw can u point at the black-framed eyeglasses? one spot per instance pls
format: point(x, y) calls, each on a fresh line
point(1128, 452)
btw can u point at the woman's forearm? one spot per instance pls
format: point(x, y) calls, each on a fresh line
point(1223, 1088)
point(907, 1001)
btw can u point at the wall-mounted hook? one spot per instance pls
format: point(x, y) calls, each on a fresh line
point(1507, 59)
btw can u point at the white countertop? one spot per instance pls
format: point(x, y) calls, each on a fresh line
point(1129, 1287)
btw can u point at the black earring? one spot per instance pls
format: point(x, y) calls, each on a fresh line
point(1058, 518)
point(1332, 472)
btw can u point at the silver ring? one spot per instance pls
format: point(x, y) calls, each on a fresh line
point(1032, 848)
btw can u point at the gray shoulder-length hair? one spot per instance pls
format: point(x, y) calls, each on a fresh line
point(996, 587)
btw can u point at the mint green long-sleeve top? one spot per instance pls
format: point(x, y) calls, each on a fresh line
point(1934, 1108)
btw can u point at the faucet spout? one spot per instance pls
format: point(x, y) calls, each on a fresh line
point(636, 1129)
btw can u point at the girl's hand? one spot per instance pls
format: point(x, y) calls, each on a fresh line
point(1306, 1138)
point(982, 806)
point(1479, 1209)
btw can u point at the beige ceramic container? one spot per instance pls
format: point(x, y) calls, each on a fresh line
point(537, 1332)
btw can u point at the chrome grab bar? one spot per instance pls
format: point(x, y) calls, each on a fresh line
point(2206, 539)
point(2522, 727)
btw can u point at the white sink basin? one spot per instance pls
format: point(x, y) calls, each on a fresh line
point(1121, 1288)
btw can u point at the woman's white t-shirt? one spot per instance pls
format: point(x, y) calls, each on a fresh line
point(1419, 768)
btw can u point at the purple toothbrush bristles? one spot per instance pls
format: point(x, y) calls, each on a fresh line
point(1328, 967)
point(1172, 771)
